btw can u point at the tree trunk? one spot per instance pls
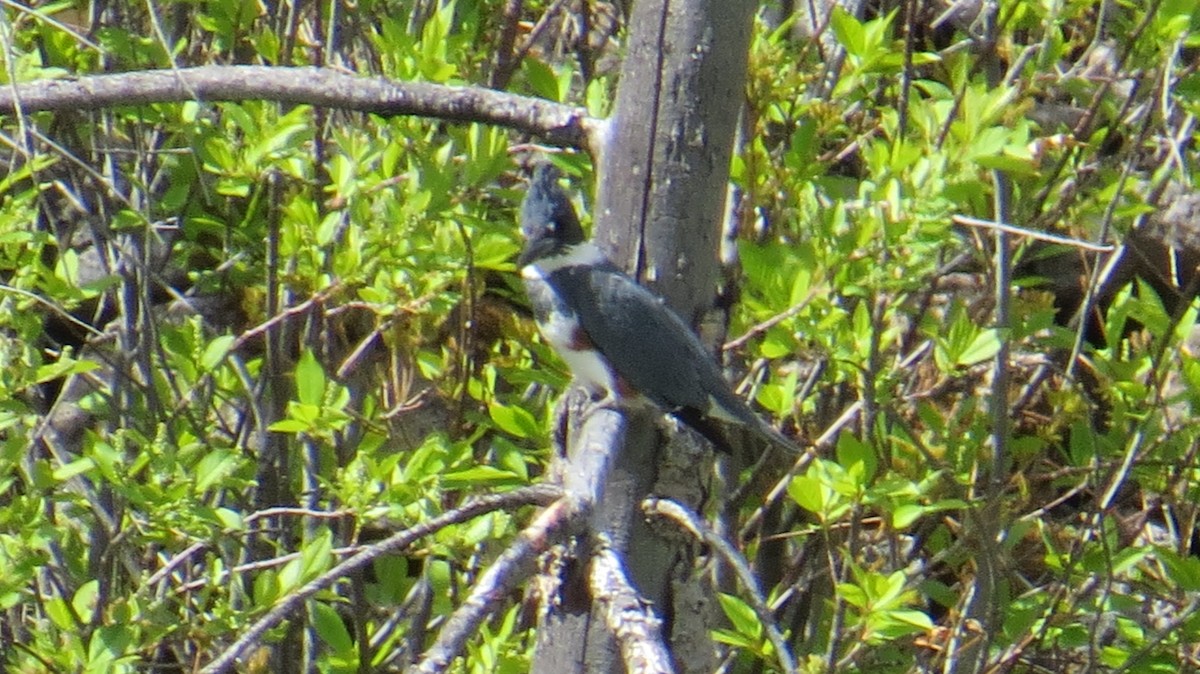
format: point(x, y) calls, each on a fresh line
point(660, 194)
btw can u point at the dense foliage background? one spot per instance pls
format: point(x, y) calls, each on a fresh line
point(238, 340)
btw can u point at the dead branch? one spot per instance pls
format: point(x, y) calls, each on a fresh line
point(697, 527)
point(325, 87)
point(600, 434)
point(630, 619)
point(288, 606)
point(512, 568)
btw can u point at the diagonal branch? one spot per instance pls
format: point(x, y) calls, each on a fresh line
point(289, 605)
point(695, 526)
point(325, 87)
point(583, 485)
point(506, 574)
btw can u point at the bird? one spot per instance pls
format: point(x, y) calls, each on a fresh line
point(620, 340)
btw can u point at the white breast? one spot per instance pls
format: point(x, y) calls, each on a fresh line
point(563, 332)
point(589, 368)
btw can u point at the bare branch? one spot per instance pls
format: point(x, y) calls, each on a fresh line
point(325, 87)
point(601, 432)
point(695, 526)
point(513, 566)
point(1033, 234)
point(637, 630)
point(396, 542)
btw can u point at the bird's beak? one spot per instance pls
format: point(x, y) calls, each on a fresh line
point(536, 249)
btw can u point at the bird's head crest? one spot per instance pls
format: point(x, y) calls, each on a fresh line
point(548, 221)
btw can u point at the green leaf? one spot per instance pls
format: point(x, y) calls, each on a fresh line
point(809, 493)
point(1127, 559)
point(1018, 166)
point(599, 101)
point(541, 79)
point(215, 352)
point(777, 344)
point(267, 587)
point(310, 379)
point(1118, 313)
point(290, 426)
point(891, 588)
point(59, 614)
point(985, 345)
point(495, 251)
point(480, 476)
point(1187, 323)
point(1184, 571)
point(214, 468)
point(318, 553)
point(850, 33)
point(898, 622)
point(108, 644)
point(285, 131)
point(740, 615)
point(63, 367)
point(329, 227)
point(393, 579)
point(331, 628)
point(512, 458)
point(70, 470)
point(514, 420)
point(230, 519)
point(735, 639)
point(851, 452)
point(1149, 309)
point(853, 595)
point(903, 516)
point(84, 601)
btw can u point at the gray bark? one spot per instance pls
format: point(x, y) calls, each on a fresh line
point(661, 189)
point(661, 184)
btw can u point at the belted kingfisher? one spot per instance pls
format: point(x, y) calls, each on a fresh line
point(618, 338)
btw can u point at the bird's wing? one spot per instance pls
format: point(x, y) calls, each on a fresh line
point(656, 353)
point(648, 344)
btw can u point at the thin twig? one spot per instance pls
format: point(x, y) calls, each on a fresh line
point(539, 494)
point(1170, 629)
point(298, 512)
point(504, 73)
point(57, 311)
point(741, 568)
point(175, 562)
point(1101, 274)
point(771, 322)
point(849, 416)
point(40, 15)
point(1031, 234)
point(259, 565)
